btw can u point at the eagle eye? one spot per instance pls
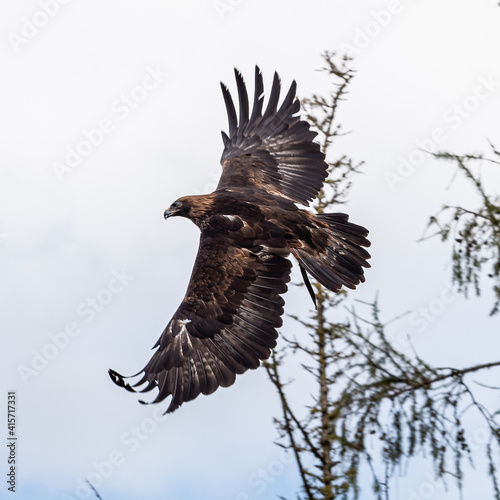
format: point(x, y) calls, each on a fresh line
point(176, 204)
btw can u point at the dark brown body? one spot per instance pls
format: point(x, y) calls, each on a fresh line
point(240, 213)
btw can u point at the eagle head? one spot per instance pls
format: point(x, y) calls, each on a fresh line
point(180, 207)
point(196, 208)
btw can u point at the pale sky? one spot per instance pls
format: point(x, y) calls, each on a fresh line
point(91, 272)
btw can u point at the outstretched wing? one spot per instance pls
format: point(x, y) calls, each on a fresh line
point(227, 321)
point(273, 151)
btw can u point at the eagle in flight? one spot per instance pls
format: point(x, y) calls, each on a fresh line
point(249, 226)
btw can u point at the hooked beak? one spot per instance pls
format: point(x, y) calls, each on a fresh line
point(167, 214)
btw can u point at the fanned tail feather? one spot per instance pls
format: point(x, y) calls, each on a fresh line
point(341, 260)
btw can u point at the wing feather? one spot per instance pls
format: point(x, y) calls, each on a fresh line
point(231, 111)
point(243, 99)
point(274, 151)
point(258, 99)
point(272, 104)
point(226, 323)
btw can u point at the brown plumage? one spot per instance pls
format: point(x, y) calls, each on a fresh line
point(249, 226)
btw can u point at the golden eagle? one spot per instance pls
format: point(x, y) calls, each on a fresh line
point(249, 226)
